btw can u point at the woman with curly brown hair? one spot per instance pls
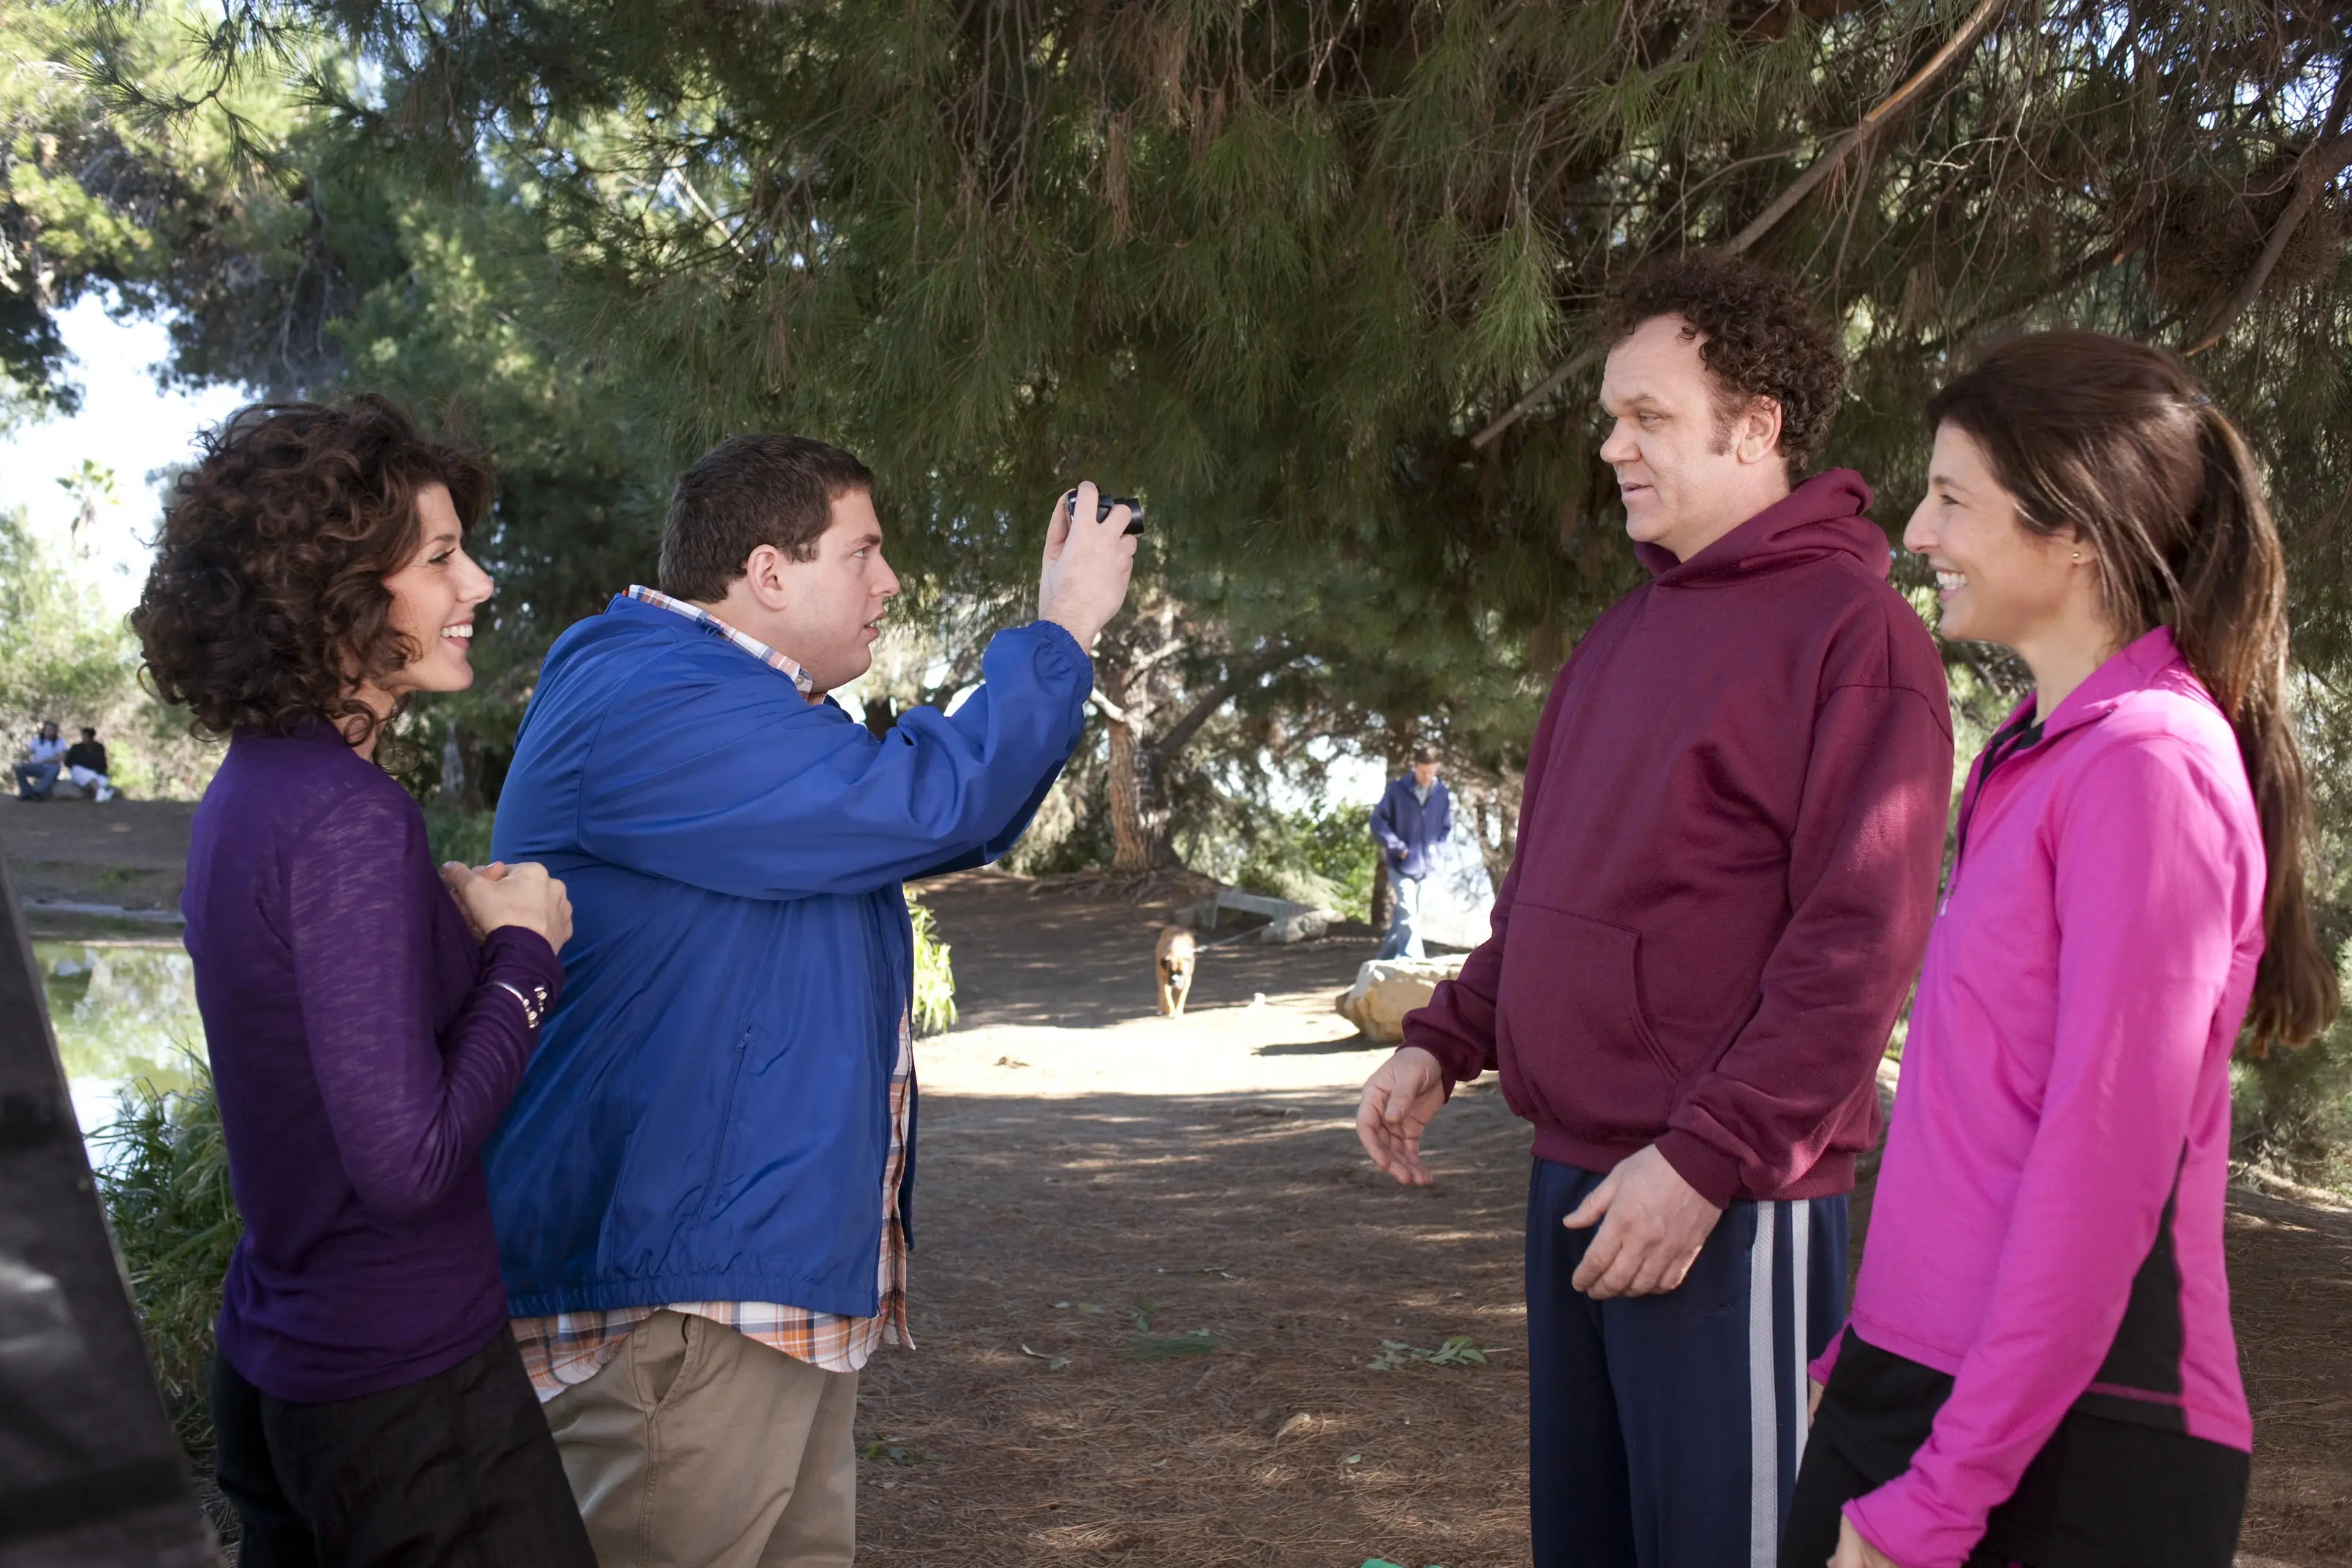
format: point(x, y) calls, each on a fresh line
point(368, 1018)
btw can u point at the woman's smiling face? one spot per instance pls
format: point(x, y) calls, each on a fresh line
point(432, 600)
point(1997, 580)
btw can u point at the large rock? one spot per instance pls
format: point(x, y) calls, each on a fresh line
point(1386, 989)
point(1309, 925)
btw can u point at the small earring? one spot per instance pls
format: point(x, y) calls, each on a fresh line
point(2078, 555)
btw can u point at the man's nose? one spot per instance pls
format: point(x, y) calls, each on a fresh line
point(1619, 447)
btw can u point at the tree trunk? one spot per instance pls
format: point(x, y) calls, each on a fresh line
point(1132, 846)
point(1383, 896)
point(1496, 813)
point(461, 770)
point(1138, 821)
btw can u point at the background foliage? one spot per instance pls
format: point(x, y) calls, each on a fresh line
point(1317, 280)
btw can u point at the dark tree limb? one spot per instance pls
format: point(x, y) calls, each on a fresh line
point(1178, 735)
point(1839, 147)
point(2329, 155)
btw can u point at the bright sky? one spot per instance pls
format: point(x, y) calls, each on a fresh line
point(126, 423)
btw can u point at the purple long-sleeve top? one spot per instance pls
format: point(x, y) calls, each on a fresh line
point(363, 1047)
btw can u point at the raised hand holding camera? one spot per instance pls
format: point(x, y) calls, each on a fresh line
point(1089, 557)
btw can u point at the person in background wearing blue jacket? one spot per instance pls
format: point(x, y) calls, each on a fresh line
point(703, 1187)
point(1415, 816)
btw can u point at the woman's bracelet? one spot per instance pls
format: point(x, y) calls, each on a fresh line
point(531, 1010)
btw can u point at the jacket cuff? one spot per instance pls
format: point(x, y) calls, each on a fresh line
point(1899, 1524)
point(1714, 1174)
point(1061, 647)
point(1456, 1062)
point(1826, 1362)
point(521, 957)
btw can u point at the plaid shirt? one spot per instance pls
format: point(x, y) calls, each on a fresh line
point(569, 1348)
point(717, 627)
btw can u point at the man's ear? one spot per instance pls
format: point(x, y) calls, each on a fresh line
point(1758, 436)
point(763, 576)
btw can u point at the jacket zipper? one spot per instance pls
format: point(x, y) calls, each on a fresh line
point(2018, 735)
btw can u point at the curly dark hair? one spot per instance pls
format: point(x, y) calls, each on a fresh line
point(267, 606)
point(1758, 333)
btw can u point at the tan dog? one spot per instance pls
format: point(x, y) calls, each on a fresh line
point(1174, 960)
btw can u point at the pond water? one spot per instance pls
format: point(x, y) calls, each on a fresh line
point(123, 1011)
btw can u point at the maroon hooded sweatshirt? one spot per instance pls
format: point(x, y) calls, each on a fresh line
point(1728, 844)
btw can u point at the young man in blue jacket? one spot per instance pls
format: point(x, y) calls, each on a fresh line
point(702, 1190)
point(1415, 816)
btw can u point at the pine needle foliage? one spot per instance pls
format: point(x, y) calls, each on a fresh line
point(1276, 264)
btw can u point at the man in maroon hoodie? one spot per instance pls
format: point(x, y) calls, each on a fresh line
point(1728, 844)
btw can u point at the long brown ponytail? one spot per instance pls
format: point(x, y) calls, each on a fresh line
point(2115, 441)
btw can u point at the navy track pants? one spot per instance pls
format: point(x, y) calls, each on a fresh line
point(1665, 1431)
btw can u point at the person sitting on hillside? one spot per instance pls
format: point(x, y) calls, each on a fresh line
point(36, 772)
point(1415, 817)
point(86, 765)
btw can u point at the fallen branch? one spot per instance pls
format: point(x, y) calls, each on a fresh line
point(1839, 147)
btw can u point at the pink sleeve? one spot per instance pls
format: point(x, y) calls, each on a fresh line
point(1826, 1362)
point(2149, 894)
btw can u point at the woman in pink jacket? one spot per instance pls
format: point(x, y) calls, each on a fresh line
point(2039, 1367)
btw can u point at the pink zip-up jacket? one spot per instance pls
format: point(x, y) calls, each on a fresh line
point(2048, 1222)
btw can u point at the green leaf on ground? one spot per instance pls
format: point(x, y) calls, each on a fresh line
point(1142, 1316)
point(1053, 1362)
point(1459, 1350)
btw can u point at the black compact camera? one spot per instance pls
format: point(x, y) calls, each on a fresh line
point(1103, 504)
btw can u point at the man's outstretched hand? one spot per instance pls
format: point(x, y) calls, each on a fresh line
point(1652, 1224)
point(1399, 1097)
point(1083, 582)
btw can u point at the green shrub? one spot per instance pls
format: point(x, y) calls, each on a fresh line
point(2292, 1111)
point(935, 1009)
point(457, 834)
point(164, 1178)
point(1319, 857)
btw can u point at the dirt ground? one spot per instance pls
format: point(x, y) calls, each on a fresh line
point(1153, 1269)
point(126, 855)
point(1075, 1149)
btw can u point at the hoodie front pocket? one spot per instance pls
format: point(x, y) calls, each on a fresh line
point(1570, 1034)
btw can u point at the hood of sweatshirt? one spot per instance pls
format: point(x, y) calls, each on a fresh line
point(1823, 516)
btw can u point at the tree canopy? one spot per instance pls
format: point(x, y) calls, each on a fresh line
point(1320, 282)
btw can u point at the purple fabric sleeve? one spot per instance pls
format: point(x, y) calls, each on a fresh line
point(409, 1106)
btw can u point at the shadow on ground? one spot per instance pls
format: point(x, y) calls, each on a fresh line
point(1146, 1327)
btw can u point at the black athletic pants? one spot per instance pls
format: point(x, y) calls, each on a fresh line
point(2102, 1493)
point(1665, 1431)
point(454, 1469)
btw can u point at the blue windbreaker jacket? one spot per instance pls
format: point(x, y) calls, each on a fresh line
point(708, 1113)
point(1406, 828)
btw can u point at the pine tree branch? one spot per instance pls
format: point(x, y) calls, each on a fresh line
point(1839, 147)
point(2329, 155)
point(1180, 732)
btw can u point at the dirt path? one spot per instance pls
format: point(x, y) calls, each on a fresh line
point(1077, 1149)
point(126, 854)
